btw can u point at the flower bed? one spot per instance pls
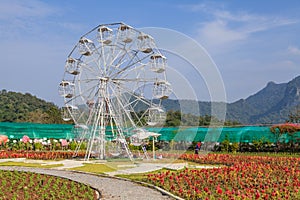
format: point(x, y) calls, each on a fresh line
point(242, 177)
point(28, 185)
point(42, 155)
point(26, 143)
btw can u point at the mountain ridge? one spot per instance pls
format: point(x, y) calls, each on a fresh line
point(272, 104)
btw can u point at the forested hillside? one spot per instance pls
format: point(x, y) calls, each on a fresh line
point(273, 104)
point(18, 107)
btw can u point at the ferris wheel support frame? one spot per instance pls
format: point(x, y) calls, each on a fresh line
point(105, 82)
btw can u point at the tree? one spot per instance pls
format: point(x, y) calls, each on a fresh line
point(173, 118)
point(54, 116)
point(37, 116)
point(287, 128)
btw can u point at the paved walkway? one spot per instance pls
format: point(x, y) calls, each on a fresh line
point(142, 167)
point(109, 187)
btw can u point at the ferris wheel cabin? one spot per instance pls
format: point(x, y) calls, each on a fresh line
point(162, 89)
point(158, 63)
point(68, 111)
point(105, 35)
point(72, 66)
point(65, 114)
point(66, 89)
point(145, 43)
point(126, 33)
point(86, 46)
point(156, 116)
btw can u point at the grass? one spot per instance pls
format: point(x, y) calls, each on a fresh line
point(94, 168)
point(120, 165)
point(22, 164)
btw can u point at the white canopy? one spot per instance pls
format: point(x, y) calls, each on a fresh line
point(142, 134)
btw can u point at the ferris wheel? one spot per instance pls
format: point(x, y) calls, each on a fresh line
point(114, 83)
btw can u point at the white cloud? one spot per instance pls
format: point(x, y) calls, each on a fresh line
point(31, 8)
point(227, 28)
point(31, 18)
point(217, 33)
point(266, 23)
point(35, 20)
point(239, 17)
point(242, 45)
point(293, 50)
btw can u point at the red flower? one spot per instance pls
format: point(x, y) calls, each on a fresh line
point(206, 189)
point(219, 190)
point(64, 143)
point(25, 139)
point(3, 139)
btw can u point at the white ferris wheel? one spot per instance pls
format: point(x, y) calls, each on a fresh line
point(114, 83)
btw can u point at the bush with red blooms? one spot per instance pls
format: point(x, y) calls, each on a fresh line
point(235, 177)
point(41, 155)
point(289, 128)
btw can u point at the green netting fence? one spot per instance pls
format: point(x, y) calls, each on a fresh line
point(246, 134)
point(18, 130)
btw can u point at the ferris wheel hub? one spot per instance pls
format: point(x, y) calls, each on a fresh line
point(104, 79)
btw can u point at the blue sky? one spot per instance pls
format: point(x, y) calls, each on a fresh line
point(251, 42)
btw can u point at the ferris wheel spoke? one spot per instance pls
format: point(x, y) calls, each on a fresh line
point(92, 68)
point(98, 68)
point(96, 64)
point(138, 80)
point(117, 53)
point(133, 66)
point(73, 100)
point(88, 82)
point(127, 108)
point(115, 66)
point(130, 93)
point(137, 66)
point(121, 58)
point(108, 58)
point(132, 108)
point(87, 91)
point(119, 107)
point(131, 63)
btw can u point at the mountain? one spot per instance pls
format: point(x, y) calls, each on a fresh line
point(18, 107)
point(272, 104)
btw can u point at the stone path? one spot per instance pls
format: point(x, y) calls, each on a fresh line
point(110, 188)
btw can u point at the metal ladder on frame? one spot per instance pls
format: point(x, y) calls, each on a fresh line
point(145, 152)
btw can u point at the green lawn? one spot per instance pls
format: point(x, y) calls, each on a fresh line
point(22, 164)
point(94, 168)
